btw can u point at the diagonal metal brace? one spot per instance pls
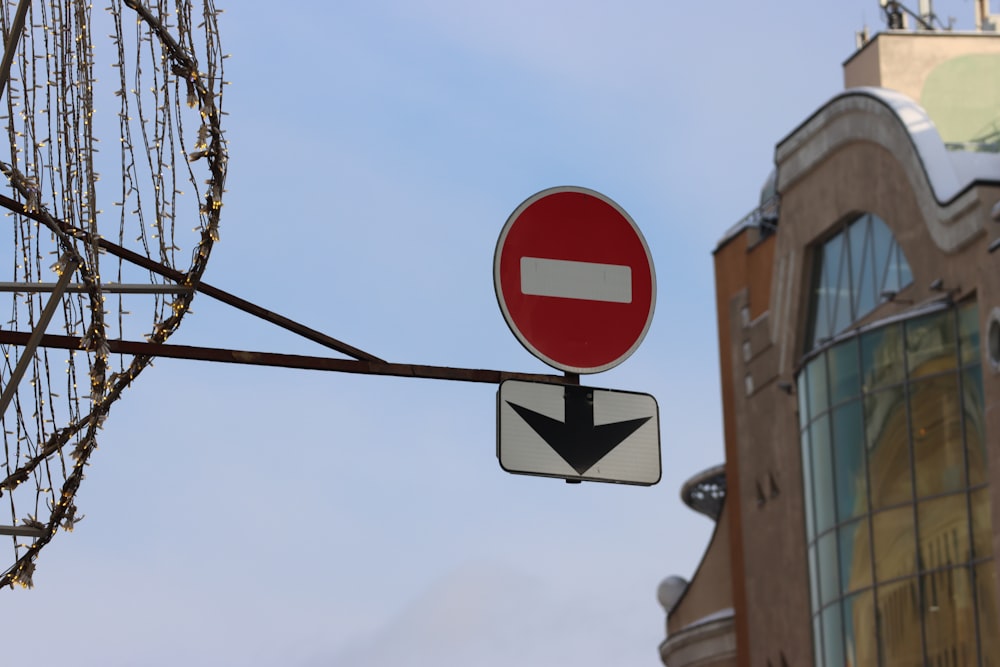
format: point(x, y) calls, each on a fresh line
point(13, 37)
point(70, 264)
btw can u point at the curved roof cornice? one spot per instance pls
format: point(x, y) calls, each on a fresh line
point(941, 180)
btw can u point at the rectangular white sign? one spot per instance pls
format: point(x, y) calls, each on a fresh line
point(578, 433)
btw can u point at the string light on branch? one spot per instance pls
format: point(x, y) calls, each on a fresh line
point(146, 79)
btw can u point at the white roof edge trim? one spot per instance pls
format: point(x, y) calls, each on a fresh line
point(901, 126)
point(728, 612)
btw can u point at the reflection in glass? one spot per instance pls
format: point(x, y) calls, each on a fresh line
point(949, 616)
point(807, 485)
point(829, 584)
point(975, 428)
point(905, 274)
point(887, 436)
point(833, 647)
point(813, 578)
point(943, 525)
point(822, 460)
point(859, 640)
point(881, 244)
point(882, 357)
point(849, 461)
point(989, 620)
point(845, 379)
point(895, 543)
point(853, 269)
point(899, 640)
point(863, 273)
point(968, 333)
point(841, 290)
point(855, 557)
point(802, 390)
point(818, 642)
point(899, 530)
point(982, 527)
point(938, 454)
point(819, 397)
point(930, 344)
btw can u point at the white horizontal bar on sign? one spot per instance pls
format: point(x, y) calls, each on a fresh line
point(576, 280)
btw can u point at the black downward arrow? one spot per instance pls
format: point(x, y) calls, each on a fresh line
point(577, 440)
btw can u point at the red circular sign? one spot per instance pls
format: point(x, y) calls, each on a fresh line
point(574, 279)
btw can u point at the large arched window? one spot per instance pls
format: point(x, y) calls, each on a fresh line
point(855, 271)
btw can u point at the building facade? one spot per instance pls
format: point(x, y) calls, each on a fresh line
point(859, 340)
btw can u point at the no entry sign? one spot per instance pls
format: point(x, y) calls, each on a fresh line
point(574, 279)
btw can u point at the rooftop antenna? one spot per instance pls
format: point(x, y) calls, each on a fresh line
point(926, 11)
point(862, 37)
point(984, 20)
point(894, 17)
point(896, 14)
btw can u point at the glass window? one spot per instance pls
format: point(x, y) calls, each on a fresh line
point(975, 428)
point(853, 270)
point(807, 486)
point(989, 620)
point(943, 525)
point(819, 397)
point(887, 436)
point(833, 271)
point(845, 380)
point(829, 579)
point(863, 273)
point(859, 640)
point(882, 357)
point(822, 473)
point(938, 453)
point(930, 344)
point(802, 391)
point(818, 641)
point(840, 285)
point(895, 543)
point(982, 527)
point(899, 640)
point(814, 578)
point(899, 529)
point(968, 333)
point(949, 625)
point(855, 556)
point(849, 460)
point(833, 635)
point(882, 245)
point(903, 268)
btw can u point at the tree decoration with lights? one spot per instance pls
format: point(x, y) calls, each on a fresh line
point(113, 125)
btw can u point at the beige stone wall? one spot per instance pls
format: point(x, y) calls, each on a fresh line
point(710, 590)
point(774, 577)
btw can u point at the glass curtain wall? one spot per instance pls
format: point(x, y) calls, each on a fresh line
point(896, 495)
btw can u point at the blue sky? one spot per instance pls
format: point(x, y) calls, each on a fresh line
point(253, 516)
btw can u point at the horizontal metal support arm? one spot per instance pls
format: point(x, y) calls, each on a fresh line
point(361, 367)
point(114, 288)
point(21, 531)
